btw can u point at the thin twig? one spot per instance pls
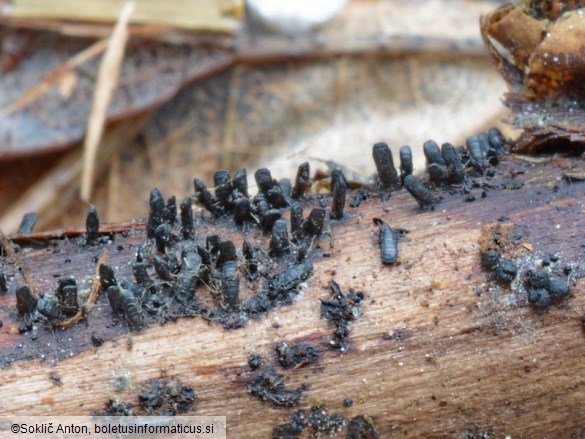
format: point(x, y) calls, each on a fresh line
point(106, 83)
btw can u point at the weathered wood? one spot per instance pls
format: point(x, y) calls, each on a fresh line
point(440, 350)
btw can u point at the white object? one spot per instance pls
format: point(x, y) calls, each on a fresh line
point(293, 17)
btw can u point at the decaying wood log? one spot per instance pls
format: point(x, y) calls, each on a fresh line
point(442, 347)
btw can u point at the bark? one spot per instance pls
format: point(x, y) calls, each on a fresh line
point(441, 348)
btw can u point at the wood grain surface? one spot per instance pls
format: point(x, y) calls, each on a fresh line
point(440, 349)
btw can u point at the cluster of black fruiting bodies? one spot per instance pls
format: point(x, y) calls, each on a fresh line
point(175, 261)
point(445, 165)
point(170, 268)
point(544, 286)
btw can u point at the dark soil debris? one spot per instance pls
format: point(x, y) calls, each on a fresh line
point(254, 361)
point(358, 197)
point(269, 386)
point(340, 310)
point(55, 378)
point(96, 340)
point(317, 420)
point(163, 397)
point(117, 408)
point(157, 397)
point(362, 427)
point(296, 355)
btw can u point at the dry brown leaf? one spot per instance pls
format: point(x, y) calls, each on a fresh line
point(47, 120)
point(155, 68)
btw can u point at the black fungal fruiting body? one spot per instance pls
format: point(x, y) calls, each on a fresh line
point(212, 245)
point(544, 289)
point(455, 168)
point(269, 189)
point(296, 220)
point(3, 283)
point(25, 300)
point(388, 242)
point(385, 166)
point(50, 309)
point(156, 212)
point(285, 188)
point(313, 226)
point(302, 181)
point(226, 252)
point(141, 276)
point(295, 355)
point(291, 277)
point(162, 268)
point(242, 211)
point(339, 188)
point(223, 189)
point(63, 305)
point(475, 151)
point(406, 164)
point(230, 281)
point(107, 278)
point(170, 211)
point(436, 165)
point(188, 276)
point(503, 269)
point(68, 300)
point(163, 237)
point(279, 242)
point(539, 297)
point(419, 192)
point(240, 183)
point(433, 153)
point(27, 224)
point(187, 223)
point(496, 139)
point(124, 302)
point(205, 197)
point(264, 180)
point(92, 225)
point(269, 386)
point(114, 297)
point(265, 212)
point(340, 310)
